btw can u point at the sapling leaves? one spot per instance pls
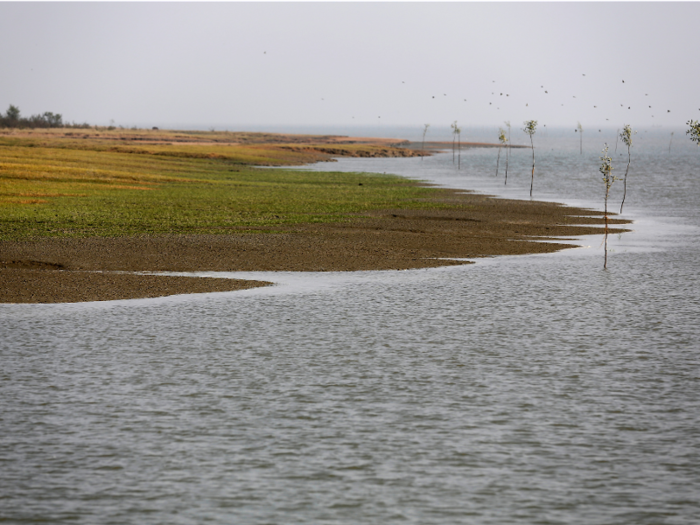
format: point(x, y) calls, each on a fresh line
point(694, 131)
point(626, 137)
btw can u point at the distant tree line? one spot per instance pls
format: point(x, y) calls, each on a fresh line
point(13, 119)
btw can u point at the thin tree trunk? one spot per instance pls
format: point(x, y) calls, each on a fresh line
point(532, 179)
point(454, 138)
point(498, 159)
point(617, 139)
point(605, 263)
point(507, 157)
point(624, 183)
point(581, 143)
point(459, 151)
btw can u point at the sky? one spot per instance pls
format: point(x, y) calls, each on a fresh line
point(234, 64)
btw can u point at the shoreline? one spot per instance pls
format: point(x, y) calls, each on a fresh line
point(454, 224)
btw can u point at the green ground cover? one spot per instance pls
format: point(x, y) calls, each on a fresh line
point(73, 187)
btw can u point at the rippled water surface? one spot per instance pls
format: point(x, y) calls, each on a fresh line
point(531, 389)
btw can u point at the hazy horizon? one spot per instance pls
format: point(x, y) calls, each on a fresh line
point(247, 65)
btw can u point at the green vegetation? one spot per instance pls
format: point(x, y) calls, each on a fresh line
point(694, 131)
point(13, 119)
point(64, 185)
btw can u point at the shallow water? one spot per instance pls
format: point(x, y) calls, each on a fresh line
point(530, 389)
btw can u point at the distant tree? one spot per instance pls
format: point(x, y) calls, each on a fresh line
point(13, 119)
point(530, 128)
point(694, 131)
point(13, 114)
point(626, 137)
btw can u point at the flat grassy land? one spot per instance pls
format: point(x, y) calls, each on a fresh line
point(112, 183)
point(80, 207)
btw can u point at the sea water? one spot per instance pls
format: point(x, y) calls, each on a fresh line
point(521, 389)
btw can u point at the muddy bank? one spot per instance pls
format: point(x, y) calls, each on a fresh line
point(55, 270)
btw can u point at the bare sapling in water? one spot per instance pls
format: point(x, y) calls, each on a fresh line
point(694, 131)
point(626, 137)
point(422, 146)
point(454, 139)
point(579, 128)
point(502, 142)
point(459, 147)
point(670, 142)
point(507, 123)
point(608, 179)
point(530, 128)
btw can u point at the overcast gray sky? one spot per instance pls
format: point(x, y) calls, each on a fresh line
point(232, 64)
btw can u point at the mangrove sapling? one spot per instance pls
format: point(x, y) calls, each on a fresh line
point(502, 141)
point(530, 128)
point(617, 138)
point(669, 143)
point(626, 137)
point(422, 146)
point(454, 139)
point(579, 128)
point(459, 147)
point(608, 179)
point(694, 131)
point(507, 123)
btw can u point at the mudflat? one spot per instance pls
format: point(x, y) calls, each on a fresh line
point(59, 270)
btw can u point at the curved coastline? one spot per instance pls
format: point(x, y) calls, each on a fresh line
point(462, 225)
point(73, 270)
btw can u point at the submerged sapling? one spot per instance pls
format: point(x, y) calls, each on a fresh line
point(670, 142)
point(530, 128)
point(626, 137)
point(507, 123)
point(502, 142)
point(579, 128)
point(458, 131)
point(608, 179)
point(454, 139)
point(694, 131)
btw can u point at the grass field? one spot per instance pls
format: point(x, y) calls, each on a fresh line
point(84, 183)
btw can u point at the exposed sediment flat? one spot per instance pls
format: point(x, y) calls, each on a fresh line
point(56, 270)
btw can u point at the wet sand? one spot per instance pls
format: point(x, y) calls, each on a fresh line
point(57, 270)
